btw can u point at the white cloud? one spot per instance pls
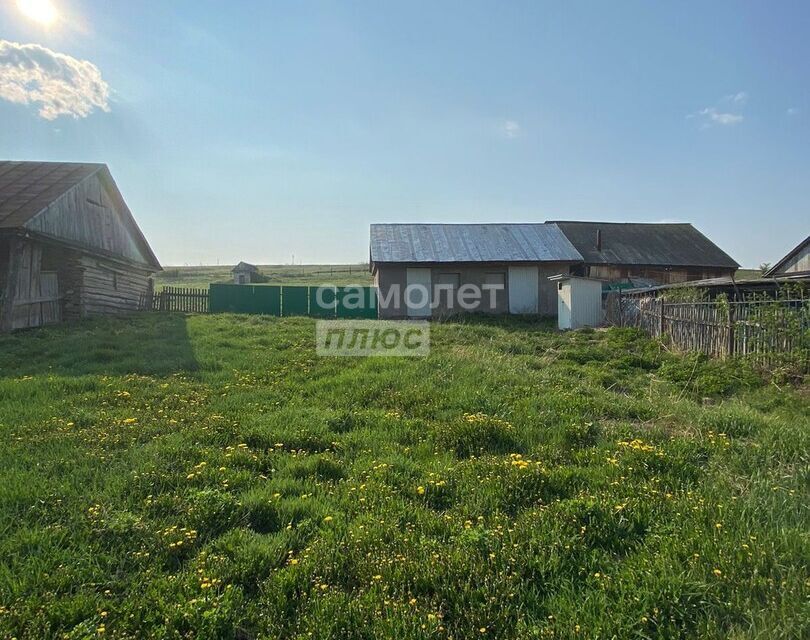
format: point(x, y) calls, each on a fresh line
point(717, 117)
point(793, 111)
point(511, 129)
point(728, 114)
point(57, 83)
point(741, 97)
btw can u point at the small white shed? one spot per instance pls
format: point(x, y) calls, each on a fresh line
point(579, 301)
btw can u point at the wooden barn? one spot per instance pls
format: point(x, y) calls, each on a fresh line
point(69, 246)
point(245, 273)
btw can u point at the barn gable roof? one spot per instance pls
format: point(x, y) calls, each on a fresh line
point(775, 269)
point(415, 243)
point(246, 267)
point(27, 189)
point(666, 244)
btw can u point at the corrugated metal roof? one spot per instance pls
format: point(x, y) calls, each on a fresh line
point(470, 243)
point(645, 244)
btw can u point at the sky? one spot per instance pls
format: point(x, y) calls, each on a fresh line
point(274, 132)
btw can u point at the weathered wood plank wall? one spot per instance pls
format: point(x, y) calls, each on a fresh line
point(30, 294)
point(88, 216)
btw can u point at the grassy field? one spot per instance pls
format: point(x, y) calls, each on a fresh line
point(210, 477)
point(312, 274)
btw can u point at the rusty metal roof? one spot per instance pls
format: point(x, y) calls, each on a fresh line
point(669, 244)
point(470, 243)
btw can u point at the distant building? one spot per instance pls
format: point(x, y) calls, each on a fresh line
point(795, 263)
point(663, 253)
point(69, 246)
point(518, 259)
point(245, 273)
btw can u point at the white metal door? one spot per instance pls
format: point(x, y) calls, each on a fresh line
point(417, 292)
point(523, 289)
point(564, 305)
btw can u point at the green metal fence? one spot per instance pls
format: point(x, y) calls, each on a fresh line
point(295, 300)
point(356, 302)
point(322, 302)
point(317, 302)
point(244, 299)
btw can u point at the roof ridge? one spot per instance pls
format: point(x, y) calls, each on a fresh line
point(617, 223)
point(60, 162)
point(456, 224)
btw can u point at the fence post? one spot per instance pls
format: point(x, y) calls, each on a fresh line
point(621, 310)
point(730, 337)
point(150, 294)
point(661, 319)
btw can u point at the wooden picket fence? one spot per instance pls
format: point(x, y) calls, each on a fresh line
point(760, 329)
point(176, 299)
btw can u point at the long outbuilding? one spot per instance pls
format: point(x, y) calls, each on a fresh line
point(512, 263)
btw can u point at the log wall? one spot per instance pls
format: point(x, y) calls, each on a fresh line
point(105, 287)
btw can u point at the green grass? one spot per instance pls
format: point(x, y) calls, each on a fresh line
point(209, 477)
point(311, 274)
point(748, 274)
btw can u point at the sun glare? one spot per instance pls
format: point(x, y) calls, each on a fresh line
point(41, 11)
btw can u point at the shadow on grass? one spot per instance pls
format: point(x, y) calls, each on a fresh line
point(149, 344)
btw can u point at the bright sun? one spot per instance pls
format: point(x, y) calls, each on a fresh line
point(41, 11)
